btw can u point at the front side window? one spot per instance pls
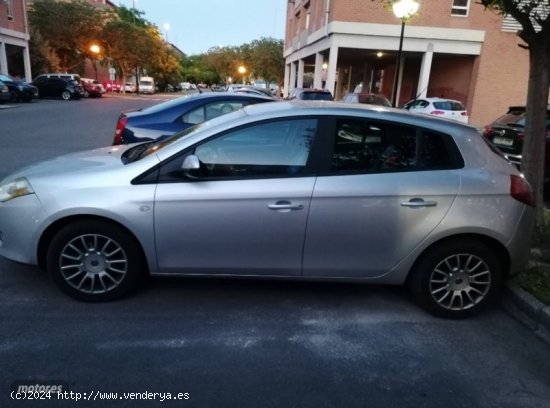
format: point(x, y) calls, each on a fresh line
point(271, 149)
point(460, 7)
point(365, 146)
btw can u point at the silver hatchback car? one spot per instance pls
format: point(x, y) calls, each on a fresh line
point(297, 190)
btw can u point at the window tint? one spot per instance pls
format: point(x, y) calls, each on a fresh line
point(370, 146)
point(211, 111)
point(265, 150)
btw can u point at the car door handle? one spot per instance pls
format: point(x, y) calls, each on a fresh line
point(285, 205)
point(418, 203)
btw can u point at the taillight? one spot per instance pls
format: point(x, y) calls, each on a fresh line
point(121, 124)
point(437, 112)
point(465, 113)
point(487, 131)
point(521, 136)
point(521, 190)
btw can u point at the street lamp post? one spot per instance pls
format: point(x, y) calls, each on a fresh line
point(403, 10)
point(95, 50)
point(242, 71)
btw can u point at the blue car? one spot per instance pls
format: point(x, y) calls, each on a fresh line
point(167, 118)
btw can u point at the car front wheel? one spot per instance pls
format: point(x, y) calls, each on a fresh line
point(95, 261)
point(455, 279)
point(66, 95)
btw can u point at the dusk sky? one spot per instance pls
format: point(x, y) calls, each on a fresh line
point(197, 25)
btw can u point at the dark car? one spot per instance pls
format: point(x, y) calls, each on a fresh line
point(310, 94)
point(58, 87)
point(507, 134)
point(4, 93)
point(172, 116)
point(19, 90)
point(368, 98)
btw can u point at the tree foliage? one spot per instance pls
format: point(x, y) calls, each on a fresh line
point(67, 28)
point(266, 59)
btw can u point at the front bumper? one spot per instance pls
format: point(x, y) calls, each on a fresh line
point(21, 220)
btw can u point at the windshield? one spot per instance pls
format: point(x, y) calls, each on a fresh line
point(515, 118)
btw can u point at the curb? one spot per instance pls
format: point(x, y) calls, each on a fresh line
point(528, 310)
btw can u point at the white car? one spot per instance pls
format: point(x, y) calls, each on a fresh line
point(129, 87)
point(440, 107)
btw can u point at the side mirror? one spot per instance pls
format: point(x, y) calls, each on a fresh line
point(191, 166)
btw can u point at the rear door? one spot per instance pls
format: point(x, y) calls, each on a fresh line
point(386, 187)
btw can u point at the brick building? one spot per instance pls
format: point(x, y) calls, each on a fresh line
point(14, 39)
point(451, 48)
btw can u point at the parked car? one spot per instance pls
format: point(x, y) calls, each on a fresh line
point(281, 190)
point(309, 94)
point(5, 94)
point(440, 107)
point(19, 90)
point(112, 86)
point(51, 87)
point(92, 88)
point(147, 85)
point(252, 90)
point(172, 116)
point(368, 98)
point(129, 87)
point(507, 134)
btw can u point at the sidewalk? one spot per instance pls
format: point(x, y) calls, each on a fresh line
point(528, 310)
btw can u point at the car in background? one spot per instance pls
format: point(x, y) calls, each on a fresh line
point(310, 94)
point(440, 107)
point(92, 88)
point(129, 87)
point(147, 85)
point(167, 118)
point(5, 94)
point(367, 98)
point(507, 134)
point(251, 90)
point(54, 87)
point(112, 86)
point(312, 191)
point(19, 90)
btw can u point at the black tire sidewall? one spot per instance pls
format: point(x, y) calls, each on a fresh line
point(419, 281)
point(136, 263)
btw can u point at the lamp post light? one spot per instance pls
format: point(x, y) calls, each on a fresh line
point(242, 71)
point(403, 10)
point(95, 50)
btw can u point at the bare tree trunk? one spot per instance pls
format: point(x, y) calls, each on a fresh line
point(535, 132)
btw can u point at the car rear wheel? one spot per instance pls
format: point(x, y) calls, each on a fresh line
point(95, 261)
point(66, 95)
point(456, 279)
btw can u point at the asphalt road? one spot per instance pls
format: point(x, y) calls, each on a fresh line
point(240, 343)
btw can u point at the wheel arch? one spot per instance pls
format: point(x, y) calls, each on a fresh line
point(502, 254)
point(56, 226)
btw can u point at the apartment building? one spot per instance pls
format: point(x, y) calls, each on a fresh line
point(451, 48)
point(14, 39)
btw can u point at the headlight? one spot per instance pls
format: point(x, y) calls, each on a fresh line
point(14, 188)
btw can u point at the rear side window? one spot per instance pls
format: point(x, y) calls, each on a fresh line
point(365, 146)
point(317, 96)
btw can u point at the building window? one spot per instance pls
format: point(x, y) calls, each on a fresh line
point(10, 9)
point(460, 8)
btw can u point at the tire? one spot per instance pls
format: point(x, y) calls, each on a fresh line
point(66, 95)
point(456, 279)
point(13, 97)
point(86, 94)
point(95, 261)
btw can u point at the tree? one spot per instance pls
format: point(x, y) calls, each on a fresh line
point(534, 18)
point(224, 60)
point(266, 59)
point(68, 27)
